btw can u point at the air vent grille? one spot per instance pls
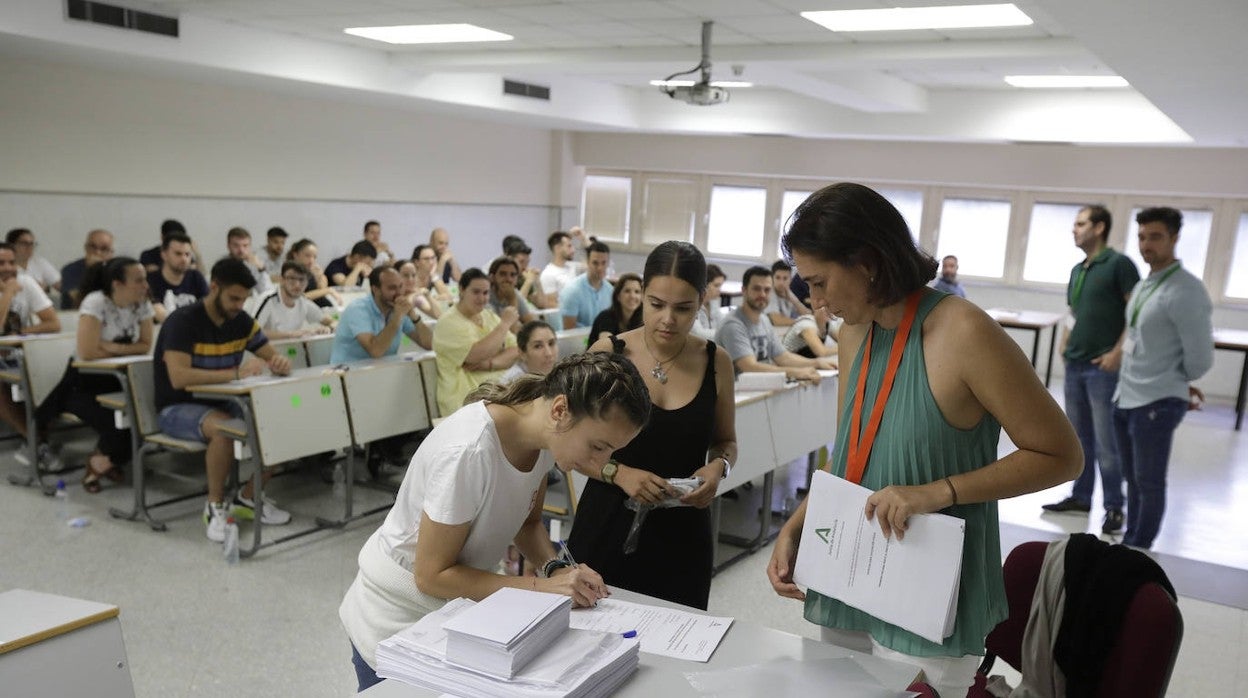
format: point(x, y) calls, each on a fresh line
point(114, 16)
point(524, 89)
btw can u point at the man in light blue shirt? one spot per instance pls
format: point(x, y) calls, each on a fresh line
point(590, 293)
point(948, 280)
point(1169, 344)
point(370, 327)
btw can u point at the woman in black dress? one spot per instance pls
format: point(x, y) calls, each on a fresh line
point(691, 433)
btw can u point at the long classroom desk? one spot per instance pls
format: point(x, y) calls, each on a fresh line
point(33, 365)
point(1033, 321)
point(744, 644)
point(1235, 340)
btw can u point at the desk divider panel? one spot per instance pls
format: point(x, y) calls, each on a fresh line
point(386, 400)
point(294, 350)
point(143, 392)
point(45, 360)
point(318, 350)
point(300, 417)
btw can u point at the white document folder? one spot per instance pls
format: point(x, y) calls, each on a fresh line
point(911, 583)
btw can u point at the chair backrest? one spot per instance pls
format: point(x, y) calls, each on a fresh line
point(1021, 572)
point(143, 392)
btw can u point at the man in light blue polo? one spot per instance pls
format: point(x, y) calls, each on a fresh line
point(590, 293)
point(370, 327)
point(1169, 344)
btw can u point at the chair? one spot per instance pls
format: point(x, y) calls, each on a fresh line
point(1143, 657)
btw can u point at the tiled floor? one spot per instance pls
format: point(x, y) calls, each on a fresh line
point(269, 627)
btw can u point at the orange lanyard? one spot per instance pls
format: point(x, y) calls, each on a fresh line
point(860, 449)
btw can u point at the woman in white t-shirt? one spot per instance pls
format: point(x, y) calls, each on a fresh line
point(115, 319)
point(476, 484)
point(808, 335)
point(709, 318)
point(539, 350)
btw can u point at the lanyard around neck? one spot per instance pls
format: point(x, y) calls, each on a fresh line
point(1077, 291)
point(860, 448)
point(1147, 293)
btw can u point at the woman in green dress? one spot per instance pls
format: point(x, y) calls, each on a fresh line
point(957, 379)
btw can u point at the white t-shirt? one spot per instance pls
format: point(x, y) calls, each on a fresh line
point(273, 314)
point(42, 271)
point(117, 324)
point(26, 305)
point(783, 306)
point(554, 278)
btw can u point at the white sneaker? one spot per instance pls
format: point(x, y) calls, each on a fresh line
point(215, 515)
point(48, 460)
point(270, 514)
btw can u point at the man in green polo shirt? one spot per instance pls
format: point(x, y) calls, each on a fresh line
point(1097, 295)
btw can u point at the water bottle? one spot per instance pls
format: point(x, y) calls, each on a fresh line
point(340, 481)
point(62, 502)
point(231, 541)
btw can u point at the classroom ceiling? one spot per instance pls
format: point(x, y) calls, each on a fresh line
point(1185, 63)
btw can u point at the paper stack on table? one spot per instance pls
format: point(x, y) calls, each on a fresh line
point(576, 664)
point(504, 632)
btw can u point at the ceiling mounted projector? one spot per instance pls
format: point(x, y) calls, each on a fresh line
point(702, 93)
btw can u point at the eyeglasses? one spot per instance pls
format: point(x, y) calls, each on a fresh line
point(103, 249)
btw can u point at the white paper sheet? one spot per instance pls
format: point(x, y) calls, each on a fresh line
point(911, 583)
point(663, 631)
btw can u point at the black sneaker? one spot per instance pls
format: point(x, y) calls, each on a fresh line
point(1069, 504)
point(1112, 522)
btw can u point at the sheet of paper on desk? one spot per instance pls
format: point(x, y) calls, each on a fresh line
point(912, 583)
point(666, 631)
point(798, 678)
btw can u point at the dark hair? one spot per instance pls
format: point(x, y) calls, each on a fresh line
point(299, 246)
point(101, 275)
point(170, 227)
point(174, 237)
point(781, 265)
point(502, 262)
point(555, 239)
point(617, 311)
point(367, 224)
point(364, 248)
point(7, 246)
point(276, 232)
point(292, 265)
point(851, 224)
point(470, 275)
point(374, 276)
point(1169, 217)
point(232, 272)
point(597, 246)
point(714, 272)
point(676, 258)
point(1099, 214)
point(752, 272)
point(527, 330)
point(16, 233)
point(418, 249)
point(954, 257)
point(594, 383)
point(238, 233)
point(516, 246)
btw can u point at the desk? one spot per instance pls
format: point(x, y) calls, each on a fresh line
point(1033, 321)
point(744, 644)
point(57, 646)
point(1235, 340)
point(573, 341)
point(37, 364)
point(313, 350)
point(728, 291)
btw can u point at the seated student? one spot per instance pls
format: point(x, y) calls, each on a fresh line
point(238, 243)
point(539, 350)
point(274, 252)
point(710, 316)
point(115, 320)
point(151, 257)
point(503, 294)
point(285, 311)
point(422, 299)
point(426, 262)
point(175, 285)
point(318, 289)
point(808, 335)
point(447, 268)
point(372, 234)
point(783, 309)
point(750, 340)
point(31, 264)
point(625, 311)
point(24, 309)
point(98, 248)
point(589, 293)
point(203, 344)
point(473, 344)
point(530, 278)
point(352, 268)
point(370, 327)
point(477, 483)
point(562, 268)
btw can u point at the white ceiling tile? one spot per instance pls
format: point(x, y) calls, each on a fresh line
point(639, 9)
point(771, 24)
point(712, 9)
point(604, 29)
point(550, 13)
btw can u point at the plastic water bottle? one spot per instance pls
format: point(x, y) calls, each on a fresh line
point(62, 502)
point(231, 541)
point(340, 481)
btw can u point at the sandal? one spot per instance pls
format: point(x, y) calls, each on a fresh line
point(91, 480)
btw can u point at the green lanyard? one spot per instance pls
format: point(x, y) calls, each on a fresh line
point(1148, 293)
point(1077, 291)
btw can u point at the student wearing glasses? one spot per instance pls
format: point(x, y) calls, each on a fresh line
point(285, 311)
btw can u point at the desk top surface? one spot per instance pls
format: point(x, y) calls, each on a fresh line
point(1225, 338)
point(1032, 319)
point(16, 340)
point(246, 385)
point(112, 363)
point(33, 616)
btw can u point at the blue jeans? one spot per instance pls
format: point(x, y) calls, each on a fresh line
point(1145, 435)
point(185, 420)
point(364, 674)
point(1089, 406)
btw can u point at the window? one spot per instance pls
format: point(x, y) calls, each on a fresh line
point(789, 202)
point(1051, 250)
point(738, 220)
point(1237, 279)
point(605, 205)
point(974, 230)
point(1193, 244)
point(669, 209)
point(910, 203)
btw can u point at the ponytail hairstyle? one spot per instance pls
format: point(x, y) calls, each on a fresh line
point(298, 247)
point(679, 259)
point(101, 275)
point(594, 383)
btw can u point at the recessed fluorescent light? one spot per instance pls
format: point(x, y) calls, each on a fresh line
point(689, 83)
point(1065, 81)
point(429, 34)
point(899, 18)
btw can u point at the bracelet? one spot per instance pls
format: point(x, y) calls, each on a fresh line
point(553, 564)
point(952, 491)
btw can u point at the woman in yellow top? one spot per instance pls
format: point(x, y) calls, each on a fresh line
point(473, 344)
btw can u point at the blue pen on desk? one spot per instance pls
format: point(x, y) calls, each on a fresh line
point(630, 634)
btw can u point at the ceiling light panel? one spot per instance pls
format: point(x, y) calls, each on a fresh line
point(429, 34)
point(1066, 81)
point(910, 18)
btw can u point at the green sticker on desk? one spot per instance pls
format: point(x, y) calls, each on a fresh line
point(295, 401)
point(326, 391)
point(291, 351)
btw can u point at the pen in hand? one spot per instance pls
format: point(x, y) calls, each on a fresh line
point(566, 555)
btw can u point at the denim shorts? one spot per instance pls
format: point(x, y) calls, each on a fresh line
point(185, 419)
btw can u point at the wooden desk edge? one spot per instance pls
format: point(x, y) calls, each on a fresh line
point(61, 629)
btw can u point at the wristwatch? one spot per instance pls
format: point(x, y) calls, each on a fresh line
point(727, 464)
point(553, 564)
point(608, 472)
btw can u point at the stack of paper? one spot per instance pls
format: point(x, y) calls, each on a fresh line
point(504, 632)
point(576, 664)
point(750, 381)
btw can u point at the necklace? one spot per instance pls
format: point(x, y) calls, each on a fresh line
point(659, 373)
